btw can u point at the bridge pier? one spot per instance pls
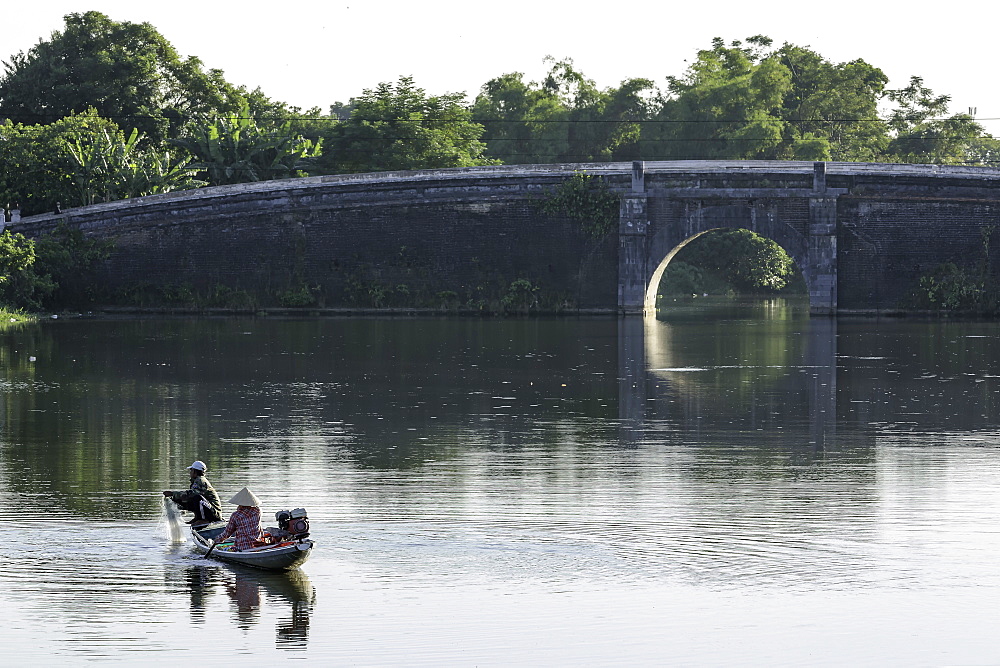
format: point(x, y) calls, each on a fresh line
point(633, 255)
point(821, 265)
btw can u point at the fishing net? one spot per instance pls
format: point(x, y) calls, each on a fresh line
point(170, 517)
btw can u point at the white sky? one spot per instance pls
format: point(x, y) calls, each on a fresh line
point(314, 53)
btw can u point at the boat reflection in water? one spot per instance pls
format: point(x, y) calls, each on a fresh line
point(250, 591)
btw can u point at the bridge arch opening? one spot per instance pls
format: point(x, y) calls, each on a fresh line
point(794, 274)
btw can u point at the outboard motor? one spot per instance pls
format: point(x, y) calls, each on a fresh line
point(295, 522)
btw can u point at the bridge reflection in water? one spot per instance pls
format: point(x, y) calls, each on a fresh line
point(763, 382)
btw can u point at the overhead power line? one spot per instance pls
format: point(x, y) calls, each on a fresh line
point(22, 117)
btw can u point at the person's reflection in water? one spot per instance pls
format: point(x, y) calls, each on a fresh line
point(293, 632)
point(249, 591)
point(245, 593)
point(200, 583)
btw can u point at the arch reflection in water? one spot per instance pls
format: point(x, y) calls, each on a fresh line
point(789, 360)
point(250, 593)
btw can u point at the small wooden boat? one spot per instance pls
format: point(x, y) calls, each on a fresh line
point(286, 550)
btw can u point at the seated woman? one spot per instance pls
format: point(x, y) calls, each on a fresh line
point(244, 524)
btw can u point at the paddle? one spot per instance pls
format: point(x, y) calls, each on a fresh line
point(210, 550)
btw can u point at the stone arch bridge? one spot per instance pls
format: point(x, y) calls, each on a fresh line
point(862, 234)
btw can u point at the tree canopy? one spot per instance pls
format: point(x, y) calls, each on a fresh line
point(103, 109)
point(737, 260)
point(749, 101)
point(127, 72)
point(564, 118)
point(82, 159)
point(235, 148)
point(398, 126)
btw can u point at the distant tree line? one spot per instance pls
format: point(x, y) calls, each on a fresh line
point(105, 110)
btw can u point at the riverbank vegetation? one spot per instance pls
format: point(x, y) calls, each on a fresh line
point(51, 272)
point(967, 289)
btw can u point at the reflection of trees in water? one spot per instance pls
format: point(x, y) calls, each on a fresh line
point(122, 406)
point(112, 411)
point(249, 593)
point(735, 375)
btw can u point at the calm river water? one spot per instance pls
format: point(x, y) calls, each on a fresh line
point(723, 487)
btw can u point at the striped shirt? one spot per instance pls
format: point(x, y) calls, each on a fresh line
point(244, 526)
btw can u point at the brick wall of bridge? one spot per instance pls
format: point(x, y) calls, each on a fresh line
point(352, 247)
point(891, 231)
point(474, 231)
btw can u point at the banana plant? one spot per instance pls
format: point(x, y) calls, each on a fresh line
point(233, 148)
point(108, 166)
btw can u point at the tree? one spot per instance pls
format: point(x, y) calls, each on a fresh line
point(82, 159)
point(36, 173)
point(748, 101)
point(833, 103)
point(20, 286)
point(128, 72)
point(49, 271)
point(727, 105)
point(565, 118)
point(524, 124)
point(234, 148)
point(398, 126)
point(744, 259)
point(108, 166)
point(923, 134)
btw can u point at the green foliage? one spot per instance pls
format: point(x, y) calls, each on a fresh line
point(184, 295)
point(742, 100)
point(585, 198)
point(82, 159)
point(37, 173)
point(367, 293)
point(949, 287)
point(20, 285)
point(397, 126)
point(127, 71)
point(564, 118)
point(497, 296)
point(234, 148)
point(12, 318)
point(746, 261)
point(52, 271)
point(682, 278)
point(223, 296)
point(67, 258)
point(521, 296)
point(448, 298)
point(299, 297)
point(108, 166)
point(178, 294)
point(749, 101)
point(924, 135)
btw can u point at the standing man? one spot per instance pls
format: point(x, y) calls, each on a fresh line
point(200, 498)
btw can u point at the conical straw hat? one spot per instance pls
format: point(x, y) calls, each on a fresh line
point(245, 497)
